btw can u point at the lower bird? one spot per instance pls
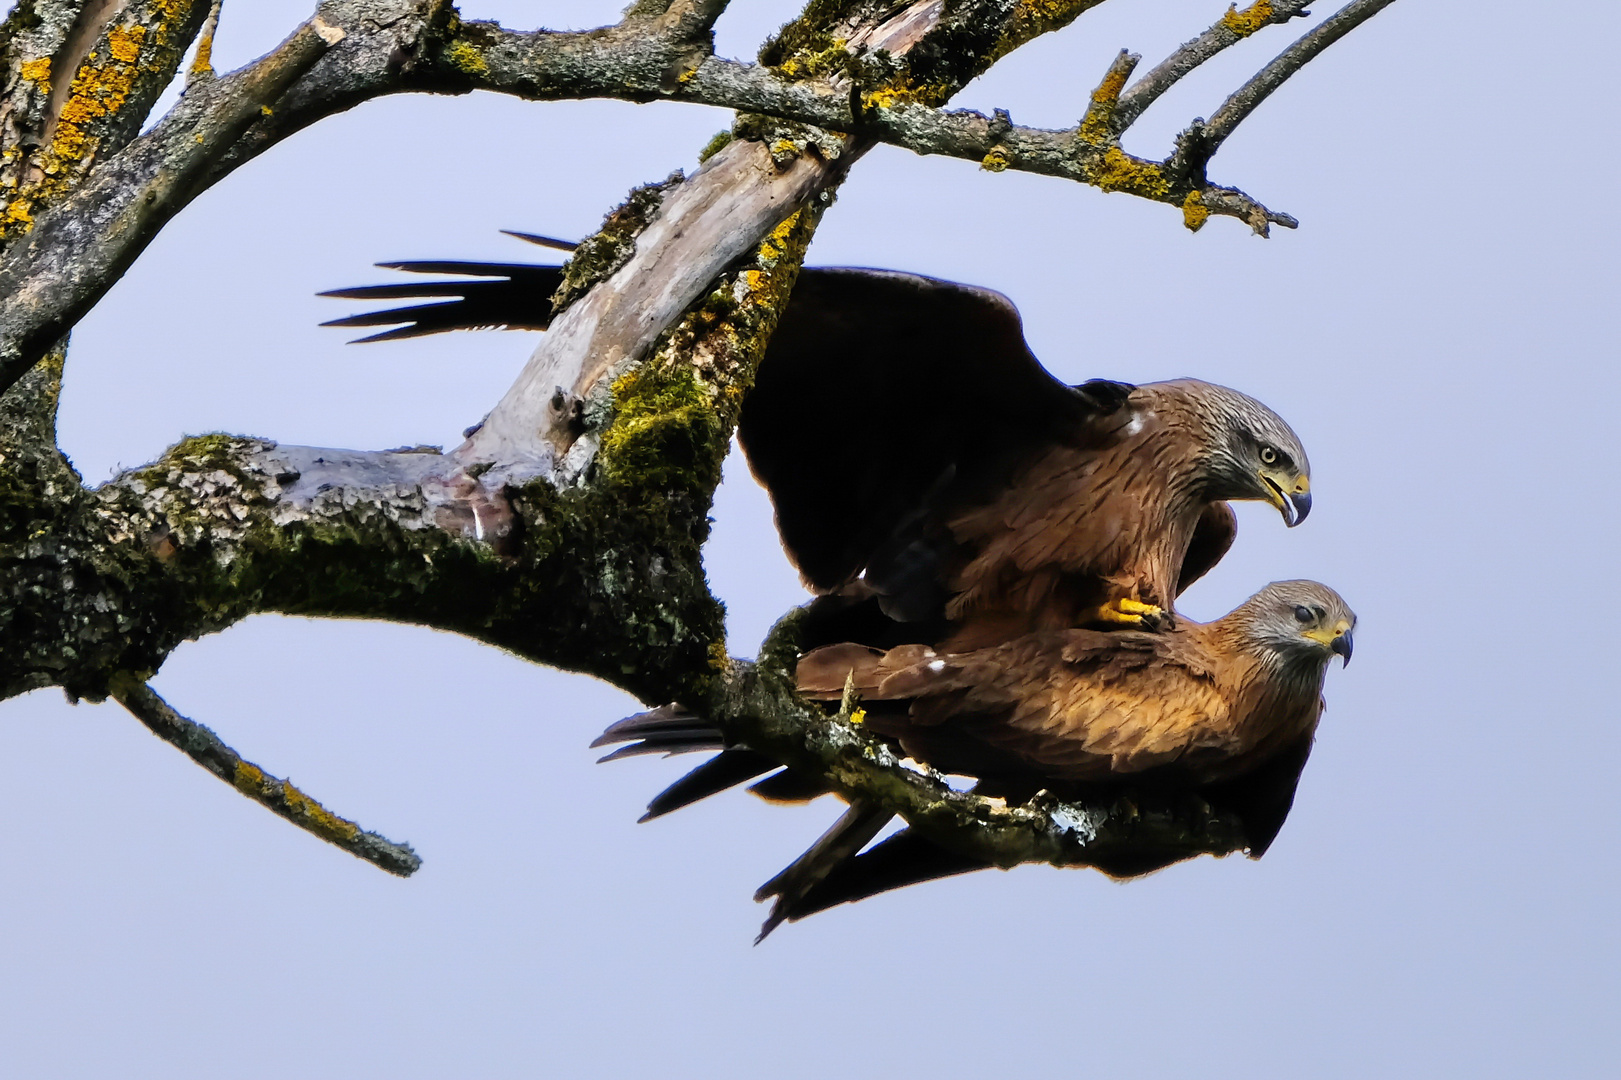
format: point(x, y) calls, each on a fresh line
point(1227, 709)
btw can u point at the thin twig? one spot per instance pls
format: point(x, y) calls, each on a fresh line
point(1229, 30)
point(1247, 97)
point(202, 65)
point(279, 796)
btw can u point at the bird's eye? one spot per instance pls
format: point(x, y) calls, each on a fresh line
point(1269, 456)
point(1304, 614)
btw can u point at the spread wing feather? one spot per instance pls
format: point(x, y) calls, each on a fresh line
point(884, 400)
point(890, 409)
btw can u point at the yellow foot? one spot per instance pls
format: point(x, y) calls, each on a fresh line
point(1128, 612)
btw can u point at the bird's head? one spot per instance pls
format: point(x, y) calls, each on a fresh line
point(1248, 450)
point(1301, 623)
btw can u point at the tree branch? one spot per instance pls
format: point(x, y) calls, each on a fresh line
point(1229, 30)
point(656, 53)
point(65, 264)
point(279, 796)
point(1247, 97)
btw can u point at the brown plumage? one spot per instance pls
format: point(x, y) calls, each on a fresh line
point(1193, 706)
point(931, 478)
point(1227, 709)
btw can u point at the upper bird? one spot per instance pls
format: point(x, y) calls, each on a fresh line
point(930, 478)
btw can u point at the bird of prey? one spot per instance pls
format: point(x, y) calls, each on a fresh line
point(1227, 709)
point(931, 480)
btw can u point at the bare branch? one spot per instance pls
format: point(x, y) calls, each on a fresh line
point(202, 65)
point(71, 258)
point(659, 53)
point(81, 83)
point(1229, 30)
point(1243, 102)
point(278, 796)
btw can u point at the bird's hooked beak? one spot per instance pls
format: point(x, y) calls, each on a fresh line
point(1290, 494)
point(1337, 638)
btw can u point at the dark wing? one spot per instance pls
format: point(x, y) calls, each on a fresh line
point(1212, 537)
point(506, 296)
point(1263, 796)
point(887, 399)
point(885, 404)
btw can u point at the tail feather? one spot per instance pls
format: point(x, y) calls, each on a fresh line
point(543, 241)
point(513, 296)
point(725, 770)
point(792, 786)
point(666, 745)
point(906, 858)
point(673, 718)
point(852, 832)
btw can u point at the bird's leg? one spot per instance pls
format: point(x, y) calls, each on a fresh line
point(1124, 611)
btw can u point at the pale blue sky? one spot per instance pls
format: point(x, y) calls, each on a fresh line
point(1440, 333)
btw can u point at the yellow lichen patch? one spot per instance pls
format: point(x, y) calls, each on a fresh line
point(315, 817)
point(38, 71)
point(203, 63)
point(1098, 126)
point(18, 214)
point(1119, 171)
point(464, 56)
point(124, 43)
point(833, 56)
point(249, 779)
point(1246, 22)
point(776, 244)
point(995, 161)
point(1194, 212)
point(266, 110)
point(98, 91)
point(903, 91)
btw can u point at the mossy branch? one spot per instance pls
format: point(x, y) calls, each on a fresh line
point(278, 796)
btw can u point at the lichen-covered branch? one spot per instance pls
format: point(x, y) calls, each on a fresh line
point(80, 79)
point(1296, 56)
point(844, 76)
point(1229, 30)
point(279, 796)
point(59, 269)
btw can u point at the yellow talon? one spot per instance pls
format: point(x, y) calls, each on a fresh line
point(1129, 612)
